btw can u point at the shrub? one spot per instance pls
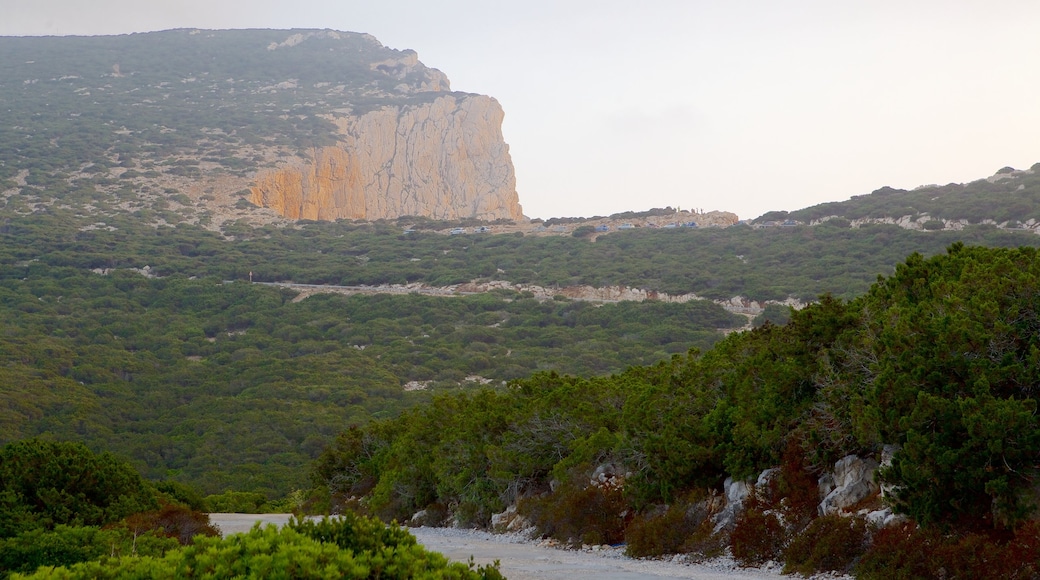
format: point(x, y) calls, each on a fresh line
point(579, 515)
point(289, 553)
point(66, 545)
point(830, 543)
point(912, 552)
point(658, 534)
point(171, 521)
point(758, 535)
point(48, 483)
point(675, 529)
point(242, 502)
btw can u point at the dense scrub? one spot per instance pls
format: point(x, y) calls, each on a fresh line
point(236, 386)
point(939, 359)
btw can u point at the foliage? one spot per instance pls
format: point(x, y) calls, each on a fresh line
point(911, 552)
point(229, 385)
point(579, 513)
point(66, 545)
point(1013, 197)
point(956, 345)
point(295, 551)
point(940, 360)
point(47, 483)
point(170, 521)
point(240, 502)
point(673, 529)
point(758, 536)
point(830, 543)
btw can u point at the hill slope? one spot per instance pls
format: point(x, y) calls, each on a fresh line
point(319, 123)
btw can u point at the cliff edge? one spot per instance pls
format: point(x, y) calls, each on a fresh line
point(444, 159)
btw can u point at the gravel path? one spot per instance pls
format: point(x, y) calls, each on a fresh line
point(522, 559)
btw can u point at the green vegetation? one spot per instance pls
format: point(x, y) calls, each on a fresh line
point(236, 386)
point(56, 496)
point(1013, 198)
point(61, 504)
point(45, 484)
point(129, 326)
point(939, 359)
point(344, 547)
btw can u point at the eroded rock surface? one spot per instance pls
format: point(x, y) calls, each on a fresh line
point(445, 160)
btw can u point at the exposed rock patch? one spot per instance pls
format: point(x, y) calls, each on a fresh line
point(444, 160)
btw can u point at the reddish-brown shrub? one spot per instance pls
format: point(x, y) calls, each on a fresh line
point(829, 543)
point(911, 552)
point(758, 535)
point(579, 515)
point(672, 530)
point(797, 485)
point(173, 521)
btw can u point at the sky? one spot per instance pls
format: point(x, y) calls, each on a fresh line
point(734, 105)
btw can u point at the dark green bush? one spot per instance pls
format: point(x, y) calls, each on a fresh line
point(241, 502)
point(48, 483)
point(65, 545)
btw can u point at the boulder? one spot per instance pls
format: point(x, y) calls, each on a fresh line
point(853, 483)
point(735, 492)
point(509, 521)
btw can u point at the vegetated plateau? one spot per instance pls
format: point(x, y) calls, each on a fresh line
point(131, 325)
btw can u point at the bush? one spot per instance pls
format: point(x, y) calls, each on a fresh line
point(579, 515)
point(911, 552)
point(758, 535)
point(65, 545)
point(49, 483)
point(679, 528)
point(658, 534)
point(350, 547)
point(236, 502)
point(172, 521)
point(830, 543)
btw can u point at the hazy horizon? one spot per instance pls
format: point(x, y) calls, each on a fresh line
point(747, 107)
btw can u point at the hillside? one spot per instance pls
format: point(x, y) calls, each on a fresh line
point(131, 169)
point(1009, 198)
point(930, 375)
point(190, 125)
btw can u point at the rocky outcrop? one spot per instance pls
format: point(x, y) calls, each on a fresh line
point(852, 482)
point(444, 159)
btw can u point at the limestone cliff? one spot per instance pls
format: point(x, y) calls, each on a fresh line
point(444, 159)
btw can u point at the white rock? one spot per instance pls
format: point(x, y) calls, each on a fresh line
point(854, 482)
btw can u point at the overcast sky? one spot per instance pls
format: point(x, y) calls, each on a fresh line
point(746, 106)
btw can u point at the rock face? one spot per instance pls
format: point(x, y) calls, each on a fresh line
point(444, 159)
point(852, 482)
